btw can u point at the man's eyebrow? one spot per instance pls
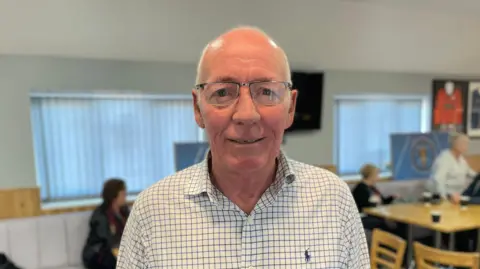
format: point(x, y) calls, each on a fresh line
point(263, 79)
point(224, 79)
point(232, 79)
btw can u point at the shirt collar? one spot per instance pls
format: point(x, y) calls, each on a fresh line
point(200, 182)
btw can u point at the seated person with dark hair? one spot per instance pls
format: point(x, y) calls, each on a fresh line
point(367, 195)
point(106, 227)
point(467, 241)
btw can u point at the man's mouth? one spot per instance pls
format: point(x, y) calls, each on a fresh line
point(246, 141)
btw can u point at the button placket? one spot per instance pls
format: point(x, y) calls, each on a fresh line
point(248, 241)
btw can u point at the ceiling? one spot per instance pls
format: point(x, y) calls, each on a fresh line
point(433, 36)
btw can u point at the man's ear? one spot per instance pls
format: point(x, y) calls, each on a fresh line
point(196, 109)
point(291, 108)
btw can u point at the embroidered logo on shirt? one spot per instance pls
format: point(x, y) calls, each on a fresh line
point(307, 255)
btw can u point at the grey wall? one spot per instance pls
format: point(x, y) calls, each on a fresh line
point(20, 74)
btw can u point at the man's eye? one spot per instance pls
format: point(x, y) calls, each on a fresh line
point(221, 92)
point(267, 92)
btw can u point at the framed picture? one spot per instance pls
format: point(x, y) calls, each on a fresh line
point(449, 105)
point(473, 110)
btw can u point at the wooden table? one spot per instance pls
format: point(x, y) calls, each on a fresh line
point(453, 219)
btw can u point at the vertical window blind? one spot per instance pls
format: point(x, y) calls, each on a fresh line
point(364, 126)
point(82, 140)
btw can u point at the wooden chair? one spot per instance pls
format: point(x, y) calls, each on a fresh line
point(426, 258)
point(387, 250)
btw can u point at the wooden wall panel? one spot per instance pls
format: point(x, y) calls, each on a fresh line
point(474, 162)
point(18, 203)
point(72, 209)
point(330, 167)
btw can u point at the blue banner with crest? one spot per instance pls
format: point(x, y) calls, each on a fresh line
point(413, 154)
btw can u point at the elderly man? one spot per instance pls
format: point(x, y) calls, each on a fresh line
point(451, 173)
point(246, 205)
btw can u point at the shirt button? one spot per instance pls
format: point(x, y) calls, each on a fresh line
point(250, 221)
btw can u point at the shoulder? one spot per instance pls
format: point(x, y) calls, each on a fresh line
point(444, 156)
point(328, 192)
point(167, 189)
point(360, 187)
point(98, 214)
point(319, 180)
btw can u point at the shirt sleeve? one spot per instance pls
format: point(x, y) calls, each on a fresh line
point(131, 254)
point(439, 173)
point(354, 234)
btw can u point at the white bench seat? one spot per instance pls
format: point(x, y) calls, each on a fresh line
point(45, 242)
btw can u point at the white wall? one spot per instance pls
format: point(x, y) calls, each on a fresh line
point(395, 35)
point(20, 74)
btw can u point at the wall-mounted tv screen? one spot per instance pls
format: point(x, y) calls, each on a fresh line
point(308, 114)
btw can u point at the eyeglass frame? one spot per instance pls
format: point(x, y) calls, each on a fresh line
point(201, 86)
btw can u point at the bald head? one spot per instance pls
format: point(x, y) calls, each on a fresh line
point(245, 39)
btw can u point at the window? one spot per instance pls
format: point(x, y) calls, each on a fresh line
point(82, 139)
point(364, 125)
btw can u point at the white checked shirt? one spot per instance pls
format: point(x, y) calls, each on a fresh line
point(306, 219)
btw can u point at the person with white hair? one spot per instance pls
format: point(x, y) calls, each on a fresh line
point(247, 205)
point(451, 173)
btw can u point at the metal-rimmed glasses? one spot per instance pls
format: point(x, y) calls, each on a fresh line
point(265, 93)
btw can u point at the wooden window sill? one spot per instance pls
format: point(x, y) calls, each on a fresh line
point(76, 205)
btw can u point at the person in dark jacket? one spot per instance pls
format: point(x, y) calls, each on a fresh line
point(106, 226)
point(367, 195)
point(6, 263)
point(467, 240)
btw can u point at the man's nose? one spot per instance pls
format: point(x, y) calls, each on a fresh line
point(245, 109)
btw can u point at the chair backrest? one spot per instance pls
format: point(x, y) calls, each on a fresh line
point(387, 250)
point(429, 258)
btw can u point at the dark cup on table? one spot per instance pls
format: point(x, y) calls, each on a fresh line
point(464, 201)
point(427, 198)
point(436, 198)
point(436, 216)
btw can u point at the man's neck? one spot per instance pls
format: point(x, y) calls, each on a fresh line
point(245, 190)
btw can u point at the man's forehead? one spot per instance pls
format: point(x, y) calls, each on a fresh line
point(245, 54)
point(243, 49)
point(247, 67)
